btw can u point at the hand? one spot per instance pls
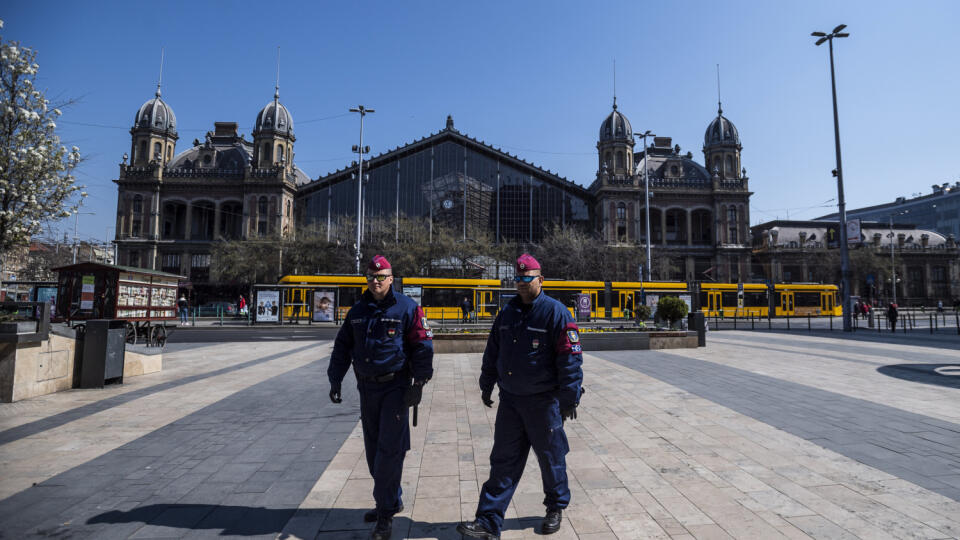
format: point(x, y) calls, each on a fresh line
point(485, 397)
point(569, 413)
point(413, 394)
point(335, 393)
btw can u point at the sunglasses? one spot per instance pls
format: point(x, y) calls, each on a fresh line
point(524, 279)
point(378, 277)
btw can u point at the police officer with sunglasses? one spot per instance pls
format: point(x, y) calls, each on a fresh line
point(534, 355)
point(387, 339)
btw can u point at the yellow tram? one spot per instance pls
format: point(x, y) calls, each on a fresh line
point(441, 298)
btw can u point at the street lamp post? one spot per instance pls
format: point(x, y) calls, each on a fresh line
point(76, 223)
point(893, 263)
point(844, 254)
point(360, 149)
point(646, 191)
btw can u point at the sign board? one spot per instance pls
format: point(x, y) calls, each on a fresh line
point(652, 300)
point(415, 292)
point(86, 293)
point(687, 301)
point(324, 304)
point(583, 305)
point(871, 279)
point(268, 306)
point(853, 231)
point(833, 236)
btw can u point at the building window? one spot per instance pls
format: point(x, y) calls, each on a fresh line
point(620, 163)
point(732, 225)
point(262, 215)
point(133, 259)
point(135, 228)
point(170, 262)
point(137, 204)
point(279, 152)
point(621, 212)
point(200, 260)
point(266, 152)
point(729, 171)
point(157, 151)
point(143, 152)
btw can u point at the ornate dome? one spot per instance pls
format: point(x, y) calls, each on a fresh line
point(274, 117)
point(616, 127)
point(157, 115)
point(721, 131)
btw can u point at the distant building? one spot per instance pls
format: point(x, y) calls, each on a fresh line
point(172, 207)
point(926, 262)
point(937, 211)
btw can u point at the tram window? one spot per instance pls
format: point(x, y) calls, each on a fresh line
point(567, 298)
point(754, 299)
point(435, 297)
point(807, 299)
point(704, 300)
point(349, 296)
point(729, 298)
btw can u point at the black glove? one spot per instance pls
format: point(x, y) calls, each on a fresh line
point(413, 394)
point(485, 397)
point(569, 412)
point(335, 393)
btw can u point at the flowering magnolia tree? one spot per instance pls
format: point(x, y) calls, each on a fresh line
point(36, 180)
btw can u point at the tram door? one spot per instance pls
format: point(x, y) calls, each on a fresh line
point(786, 302)
point(713, 303)
point(623, 303)
point(593, 305)
point(483, 304)
point(826, 303)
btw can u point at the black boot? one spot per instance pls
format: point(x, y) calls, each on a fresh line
point(383, 529)
point(551, 522)
point(371, 515)
point(475, 529)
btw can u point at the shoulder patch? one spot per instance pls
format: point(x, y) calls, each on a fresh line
point(424, 323)
point(573, 336)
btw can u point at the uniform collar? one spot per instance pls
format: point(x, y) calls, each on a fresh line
point(518, 302)
point(387, 301)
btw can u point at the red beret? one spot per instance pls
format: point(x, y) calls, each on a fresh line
point(527, 262)
point(378, 262)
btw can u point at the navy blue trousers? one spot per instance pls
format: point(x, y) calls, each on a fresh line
point(386, 439)
point(524, 422)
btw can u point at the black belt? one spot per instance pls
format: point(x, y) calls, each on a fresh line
point(386, 377)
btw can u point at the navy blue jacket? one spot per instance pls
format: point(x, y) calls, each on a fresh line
point(383, 337)
point(534, 349)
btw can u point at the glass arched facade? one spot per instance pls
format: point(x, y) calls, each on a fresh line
point(461, 184)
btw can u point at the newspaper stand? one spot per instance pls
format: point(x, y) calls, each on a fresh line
point(145, 299)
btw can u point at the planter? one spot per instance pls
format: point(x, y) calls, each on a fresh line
point(18, 327)
point(591, 341)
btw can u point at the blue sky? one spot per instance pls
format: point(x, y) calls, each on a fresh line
point(534, 78)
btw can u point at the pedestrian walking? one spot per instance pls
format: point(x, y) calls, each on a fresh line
point(939, 306)
point(241, 306)
point(892, 316)
point(466, 308)
point(534, 355)
point(183, 307)
point(387, 339)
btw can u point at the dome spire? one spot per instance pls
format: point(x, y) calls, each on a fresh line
point(160, 79)
point(719, 105)
point(276, 88)
point(614, 84)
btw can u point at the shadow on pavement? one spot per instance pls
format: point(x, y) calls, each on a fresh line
point(320, 523)
point(937, 374)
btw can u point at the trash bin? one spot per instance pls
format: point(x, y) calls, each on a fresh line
point(104, 346)
point(697, 322)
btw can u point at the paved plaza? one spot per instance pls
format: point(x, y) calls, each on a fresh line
point(757, 435)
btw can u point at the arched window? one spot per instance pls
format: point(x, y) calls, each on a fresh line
point(620, 163)
point(732, 224)
point(716, 164)
point(262, 214)
point(608, 160)
point(157, 151)
point(279, 152)
point(621, 211)
point(137, 204)
point(266, 153)
point(169, 152)
point(143, 152)
point(288, 208)
point(730, 170)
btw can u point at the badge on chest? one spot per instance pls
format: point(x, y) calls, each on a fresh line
point(391, 332)
point(535, 344)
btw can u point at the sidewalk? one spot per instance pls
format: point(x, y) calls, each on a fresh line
point(755, 436)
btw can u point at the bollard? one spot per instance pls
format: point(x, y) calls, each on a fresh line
point(769, 321)
point(220, 310)
point(788, 322)
point(931, 324)
point(831, 323)
point(753, 322)
point(734, 321)
point(957, 314)
point(195, 316)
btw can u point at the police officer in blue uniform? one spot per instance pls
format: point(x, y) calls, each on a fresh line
point(389, 342)
point(534, 355)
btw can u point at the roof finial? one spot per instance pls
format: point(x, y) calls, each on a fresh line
point(160, 79)
point(276, 88)
point(719, 106)
point(614, 84)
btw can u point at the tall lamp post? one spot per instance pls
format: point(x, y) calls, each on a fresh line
point(361, 150)
point(646, 192)
point(76, 223)
point(844, 254)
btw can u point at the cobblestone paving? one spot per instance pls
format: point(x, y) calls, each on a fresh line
point(755, 436)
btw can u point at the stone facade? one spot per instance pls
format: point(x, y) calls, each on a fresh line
point(699, 219)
